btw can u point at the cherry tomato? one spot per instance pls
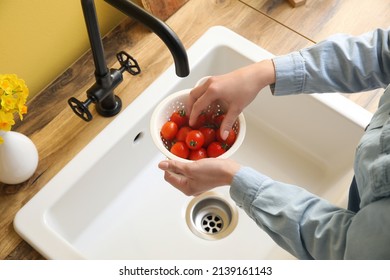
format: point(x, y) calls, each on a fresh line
point(194, 139)
point(182, 133)
point(200, 121)
point(229, 140)
point(215, 149)
point(198, 154)
point(180, 118)
point(218, 120)
point(209, 135)
point(180, 149)
point(209, 118)
point(169, 130)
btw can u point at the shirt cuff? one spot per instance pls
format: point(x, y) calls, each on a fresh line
point(246, 186)
point(290, 74)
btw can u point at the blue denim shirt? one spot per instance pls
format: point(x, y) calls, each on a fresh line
point(308, 226)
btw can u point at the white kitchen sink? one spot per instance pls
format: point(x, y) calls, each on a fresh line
point(111, 201)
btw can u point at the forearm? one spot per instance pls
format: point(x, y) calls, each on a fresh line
point(258, 75)
point(340, 64)
point(298, 221)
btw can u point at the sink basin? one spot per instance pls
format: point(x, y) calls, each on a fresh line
point(111, 201)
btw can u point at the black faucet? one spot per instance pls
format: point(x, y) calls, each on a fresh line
point(102, 92)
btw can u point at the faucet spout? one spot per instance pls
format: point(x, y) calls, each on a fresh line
point(165, 33)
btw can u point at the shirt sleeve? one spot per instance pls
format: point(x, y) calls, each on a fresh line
point(300, 222)
point(342, 63)
point(308, 226)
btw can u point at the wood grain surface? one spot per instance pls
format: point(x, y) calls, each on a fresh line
point(297, 3)
point(163, 9)
point(318, 19)
point(59, 135)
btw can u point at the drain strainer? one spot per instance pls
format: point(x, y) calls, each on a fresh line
point(212, 223)
point(211, 216)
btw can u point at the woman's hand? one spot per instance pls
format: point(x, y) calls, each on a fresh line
point(235, 90)
point(194, 178)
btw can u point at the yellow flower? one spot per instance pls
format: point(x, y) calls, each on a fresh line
point(6, 121)
point(8, 103)
point(22, 111)
point(13, 98)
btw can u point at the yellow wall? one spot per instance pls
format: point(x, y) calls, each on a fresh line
point(39, 39)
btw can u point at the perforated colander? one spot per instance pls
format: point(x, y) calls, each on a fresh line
point(178, 101)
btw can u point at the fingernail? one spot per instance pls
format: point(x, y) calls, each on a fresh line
point(225, 134)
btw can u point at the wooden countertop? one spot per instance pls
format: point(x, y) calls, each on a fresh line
point(59, 135)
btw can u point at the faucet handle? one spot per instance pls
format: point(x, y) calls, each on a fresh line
point(81, 108)
point(128, 63)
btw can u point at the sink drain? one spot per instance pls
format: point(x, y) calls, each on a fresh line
point(212, 223)
point(211, 217)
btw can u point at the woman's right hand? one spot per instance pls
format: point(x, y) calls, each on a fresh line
point(196, 177)
point(235, 90)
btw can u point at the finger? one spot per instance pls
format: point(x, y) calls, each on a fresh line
point(228, 122)
point(176, 180)
point(164, 165)
point(201, 105)
point(181, 183)
point(198, 91)
point(195, 94)
point(171, 166)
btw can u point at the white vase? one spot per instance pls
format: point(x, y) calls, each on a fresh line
point(18, 158)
